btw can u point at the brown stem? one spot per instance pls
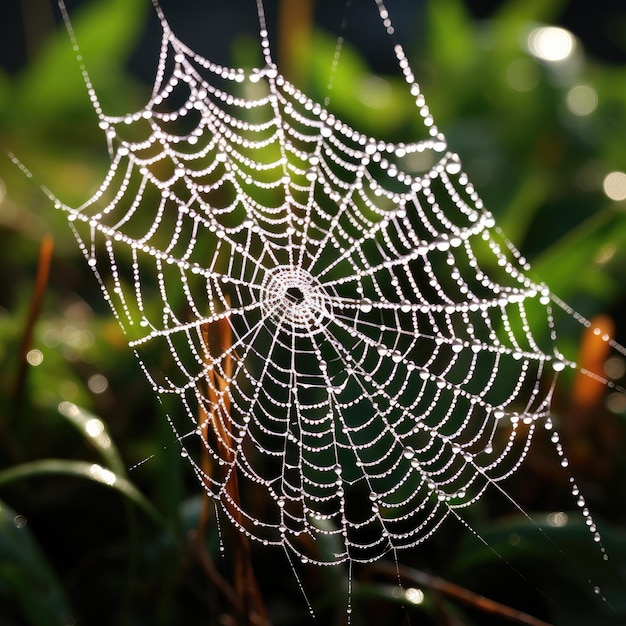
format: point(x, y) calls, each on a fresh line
point(294, 39)
point(215, 425)
point(38, 21)
point(41, 282)
point(199, 552)
point(458, 593)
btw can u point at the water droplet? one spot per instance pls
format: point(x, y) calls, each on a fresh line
point(453, 166)
point(20, 521)
point(365, 305)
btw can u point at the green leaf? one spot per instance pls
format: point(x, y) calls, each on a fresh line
point(27, 576)
point(537, 10)
point(561, 564)
point(371, 103)
point(106, 32)
point(569, 265)
point(451, 37)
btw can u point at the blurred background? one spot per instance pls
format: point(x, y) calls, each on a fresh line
point(99, 515)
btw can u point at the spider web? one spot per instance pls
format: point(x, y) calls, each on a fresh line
point(349, 339)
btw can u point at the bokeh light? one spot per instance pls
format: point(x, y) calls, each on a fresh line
point(34, 357)
point(614, 186)
point(551, 43)
point(582, 100)
point(98, 383)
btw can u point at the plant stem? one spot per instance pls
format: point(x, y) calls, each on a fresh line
point(215, 427)
point(294, 39)
point(41, 282)
point(459, 593)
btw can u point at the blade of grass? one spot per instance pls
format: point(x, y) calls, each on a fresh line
point(95, 431)
point(82, 469)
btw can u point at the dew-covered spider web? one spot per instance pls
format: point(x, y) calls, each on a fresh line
point(349, 339)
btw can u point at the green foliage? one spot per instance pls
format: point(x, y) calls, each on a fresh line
point(95, 547)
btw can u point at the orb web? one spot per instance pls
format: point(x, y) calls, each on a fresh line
point(347, 336)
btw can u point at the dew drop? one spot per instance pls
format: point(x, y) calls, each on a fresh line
point(453, 167)
point(20, 521)
point(365, 305)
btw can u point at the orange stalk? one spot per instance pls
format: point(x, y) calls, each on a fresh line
point(215, 426)
point(41, 282)
point(459, 593)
